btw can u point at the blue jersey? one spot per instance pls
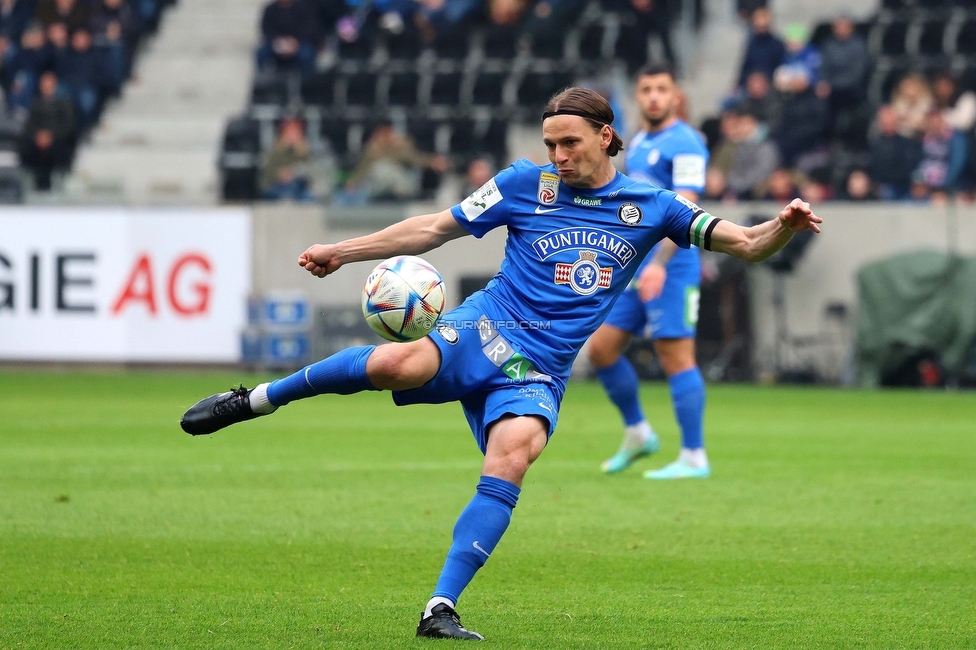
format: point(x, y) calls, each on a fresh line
point(675, 159)
point(570, 252)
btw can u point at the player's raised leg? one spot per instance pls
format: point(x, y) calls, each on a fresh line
point(677, 357)
point(395, 366)
point(620, 381)
point(514, 443)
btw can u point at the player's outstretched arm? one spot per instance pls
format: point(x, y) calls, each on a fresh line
point(759, 242)
point(409, 237)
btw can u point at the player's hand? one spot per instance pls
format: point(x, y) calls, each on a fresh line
point(798, 216)
point(651, 281)
point(320, 260)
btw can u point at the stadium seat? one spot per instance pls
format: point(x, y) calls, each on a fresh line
point(548, 46)
point(403, 89)
point(239, 183)
point(319, 89)
point(489, 89)
point(501, 42)
point(361, 89)
point(270, 89)
point(336, 131)
point(453, 44)
point(11, 188)
point(494, 139)
point(406, 45)
point(821, 33)
point(893, 39)
point(242, 135)
point(966, 40)
point(591, 42)
point(536, 88)
point(446, 89)
point(424, 133)
point(462, 140)
point(631, 46)
point(930, 42)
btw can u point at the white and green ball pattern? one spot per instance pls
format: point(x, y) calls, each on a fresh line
point(403, 298)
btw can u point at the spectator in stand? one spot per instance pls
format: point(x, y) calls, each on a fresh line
point(291, 36)
point(59, 40)
point(893, 157)
point(801, 136)
point(74, 14)
point(716, 186)
point(480, 171)
point(83, 72)
point(49, 135)
point(390, 168)
point(800, 54)
point(857, 187)
point(506, 13)
point(443, 14)
point(958, 108)
point(764, 51)
point(762, 102)
point(25, 67)
point(549, 20)
point(746, 158)
point(783, 182)
point(912, 102)
point(284, 175)
point(15, 15)
point(116, 27)
point(944, 155)
point(846, 63)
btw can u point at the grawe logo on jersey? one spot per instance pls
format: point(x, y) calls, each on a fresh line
point(585, 276)
point(548, 188)
point(588, 201)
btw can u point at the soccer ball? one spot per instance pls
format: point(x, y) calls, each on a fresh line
point(403, 298)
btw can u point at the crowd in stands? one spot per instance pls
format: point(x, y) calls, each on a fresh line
point(294, 31)
point(59, 61)
point(307, 37)
point(799, 122)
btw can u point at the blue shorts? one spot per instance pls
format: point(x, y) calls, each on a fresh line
point(487, 374)
point(673, 314)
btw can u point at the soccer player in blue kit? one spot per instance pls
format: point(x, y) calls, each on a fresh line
point(577, 230)
point(664, 303)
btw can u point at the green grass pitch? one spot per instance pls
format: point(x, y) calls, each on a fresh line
point(832, 519)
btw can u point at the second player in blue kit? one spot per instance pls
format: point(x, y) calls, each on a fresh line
point(663, 301)
point(577, 231)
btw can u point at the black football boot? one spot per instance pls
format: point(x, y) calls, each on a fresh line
point(218, 411)
point(444, 623)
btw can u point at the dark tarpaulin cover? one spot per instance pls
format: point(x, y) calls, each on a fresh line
point(912, 303)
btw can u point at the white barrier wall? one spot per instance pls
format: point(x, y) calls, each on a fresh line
point(123, 285)
point(170, 285)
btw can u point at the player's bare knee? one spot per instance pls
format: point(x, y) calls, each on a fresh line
point(601, 354)
point(401, 366)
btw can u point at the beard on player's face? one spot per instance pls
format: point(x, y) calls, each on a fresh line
point(655, 119)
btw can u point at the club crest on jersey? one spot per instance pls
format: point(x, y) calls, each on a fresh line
point(448, 333)
point(585, 276)
point(548, 188)
point(630, 214)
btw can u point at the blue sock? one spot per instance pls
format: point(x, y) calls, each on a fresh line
point(343, 373)
point(621, 383)
point(476, 533)
point(688, 399)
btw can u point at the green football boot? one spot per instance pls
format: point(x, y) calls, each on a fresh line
point(626, 457)
point(679, 469)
